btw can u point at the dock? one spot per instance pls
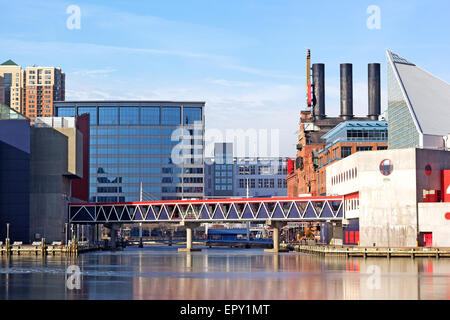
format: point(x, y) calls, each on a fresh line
point(349, 251)
point(54, 249)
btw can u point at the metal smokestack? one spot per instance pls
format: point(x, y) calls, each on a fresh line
point(318, 74)
point(374, 90)
point(346, 91)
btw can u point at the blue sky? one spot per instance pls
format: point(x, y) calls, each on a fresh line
point(246, 59)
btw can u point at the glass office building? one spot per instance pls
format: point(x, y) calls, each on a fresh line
point(154, 143)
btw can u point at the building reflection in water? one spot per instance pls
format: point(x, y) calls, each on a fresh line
point(224, 274)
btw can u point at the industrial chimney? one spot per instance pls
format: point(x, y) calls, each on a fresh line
point(374, 91)
point(318, 74)
point(346, 91)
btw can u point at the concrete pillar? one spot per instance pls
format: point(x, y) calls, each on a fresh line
point(141, 244)
point(189, 226)
point(114, 228)
point(338, 234)
point(276, 226)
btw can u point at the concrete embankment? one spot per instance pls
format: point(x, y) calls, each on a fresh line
point(44, 249)
point(349, 251)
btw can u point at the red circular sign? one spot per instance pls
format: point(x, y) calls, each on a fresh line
point(428, 169)
point(386, 167)
point(447, 216)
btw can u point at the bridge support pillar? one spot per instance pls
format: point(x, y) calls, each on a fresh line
point(276, 225)
point(113, 243)
point(141, 244)
point(189, 227)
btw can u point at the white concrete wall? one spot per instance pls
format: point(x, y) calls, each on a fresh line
point(432, 219)
point(387, 204)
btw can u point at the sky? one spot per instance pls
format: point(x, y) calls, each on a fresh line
point(244, 58)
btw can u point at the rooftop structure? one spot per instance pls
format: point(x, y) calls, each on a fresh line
point(418, 106)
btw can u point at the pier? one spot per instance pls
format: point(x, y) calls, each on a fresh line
point(365, 252)
point(42, 249)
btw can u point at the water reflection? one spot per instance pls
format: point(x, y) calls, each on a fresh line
point(163, 273)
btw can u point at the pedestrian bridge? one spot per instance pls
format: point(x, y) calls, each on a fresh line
point(226, 210)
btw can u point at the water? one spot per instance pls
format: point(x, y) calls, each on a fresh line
point(222, 274)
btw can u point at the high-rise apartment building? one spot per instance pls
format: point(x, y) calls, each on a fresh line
point(12, 86)
point(44, 85)
point(32, 91)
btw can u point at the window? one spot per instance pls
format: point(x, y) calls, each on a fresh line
point(92, 113)
point(107, 115)
point(170, 115)
point(382, 148)
point(363, 148)
point(149, 115)
point(190, 115)
point(66, 112)
point(129, 115)
point(346, 151)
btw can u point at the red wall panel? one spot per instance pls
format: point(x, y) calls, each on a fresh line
point(445, 180)
point(80, 187)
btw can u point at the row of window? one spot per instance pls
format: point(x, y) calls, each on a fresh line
point(351, 204)
point(116, 180)
point(164, 170)
point(135, 115)
point(140, 131)
point(224, 173)
point(344, 176)
point(262, 183)
point(345, 152)
point(224, 187)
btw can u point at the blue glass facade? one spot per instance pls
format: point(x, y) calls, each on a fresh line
point(134, 142)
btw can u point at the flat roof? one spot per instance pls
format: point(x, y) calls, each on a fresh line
point(369, 124)
point(126, 101)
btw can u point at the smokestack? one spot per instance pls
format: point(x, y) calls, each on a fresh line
point(346, 91)
point(374, 91)
point(318, 71)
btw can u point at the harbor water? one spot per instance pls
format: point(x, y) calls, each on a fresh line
point(161, 272)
